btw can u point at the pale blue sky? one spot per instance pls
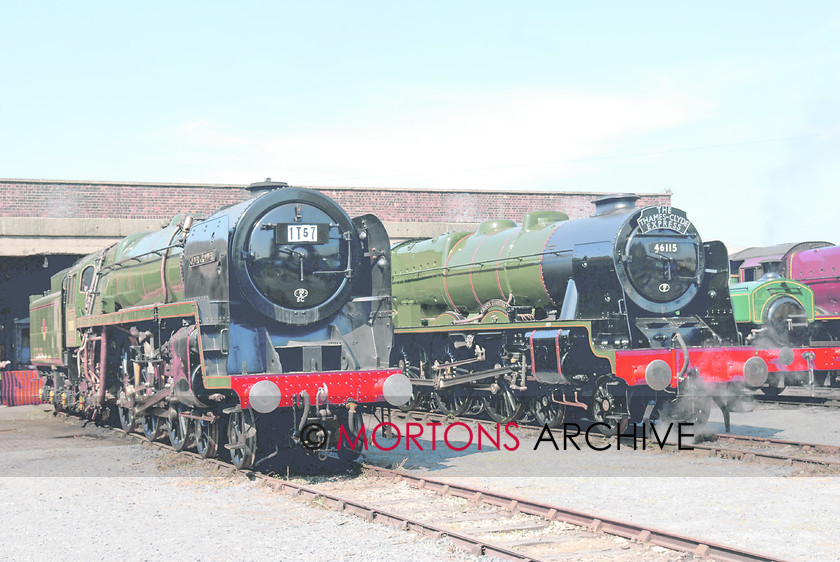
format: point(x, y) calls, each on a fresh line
point(734, 106)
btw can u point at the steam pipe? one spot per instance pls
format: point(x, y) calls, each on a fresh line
point(163, 264)
point(326, 398)
point(103, 357)
point(351, 418)
point(305, 414)
point(684, 347)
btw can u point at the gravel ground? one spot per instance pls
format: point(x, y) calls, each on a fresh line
point(186, 512)
point(754, 506)
point(770, 509)
point(131, 518)
point(809, 424)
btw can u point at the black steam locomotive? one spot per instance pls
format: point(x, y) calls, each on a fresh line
point(621, 316)
point(244, 329)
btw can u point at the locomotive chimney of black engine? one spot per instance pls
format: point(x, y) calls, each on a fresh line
point(614, 203)
point(263, 187)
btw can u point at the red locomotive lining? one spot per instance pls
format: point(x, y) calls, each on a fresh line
point(472, 263)
point(825, 359)
point(542, 259)
point(533, 355)
point(446, 272)
point(498, 264)
point(714, 364)
point(360, 386)
point(21, 388)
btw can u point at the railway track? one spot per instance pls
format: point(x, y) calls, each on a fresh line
point(795, 453)
point(806, 456)
point(800, 400)
point(481, 521)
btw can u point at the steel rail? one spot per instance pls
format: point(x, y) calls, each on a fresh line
point(596, 524)
point(377, 515)
point(638, 533)
point(752, 455)
point(711, 449)
point(793, 400)
point(346, 505)
point(817, 447)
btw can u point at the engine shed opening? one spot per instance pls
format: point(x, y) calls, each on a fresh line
point(21, 276)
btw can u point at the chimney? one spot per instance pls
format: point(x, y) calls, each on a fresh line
point(263, 187)
point(614, 203)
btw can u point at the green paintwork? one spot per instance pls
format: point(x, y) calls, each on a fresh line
point(472, 268)
point(446, 329)
point(217, 382)
point(133, 275)
point(45, 329)
point(141, 314)
point(749, 299)
point(127, 280)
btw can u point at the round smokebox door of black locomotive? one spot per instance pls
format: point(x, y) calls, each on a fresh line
point(661, 267)
point(662, 259)
point(297, 256)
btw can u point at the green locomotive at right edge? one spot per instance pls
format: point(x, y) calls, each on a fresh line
point(773, 311)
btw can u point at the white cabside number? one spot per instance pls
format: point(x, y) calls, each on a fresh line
point(302, 233)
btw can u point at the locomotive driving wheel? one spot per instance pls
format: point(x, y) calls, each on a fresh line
point(503, 405)
point(125, 407)
point(153, 429)
point(206, 437)
point(604, 404)
point(412, 362)
point(242, 438)
point(546, 411)
point(179, 430)
point(452, 401)
point(126, 414)
point(476, 408)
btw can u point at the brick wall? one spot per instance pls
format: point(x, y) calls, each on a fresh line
point(87, 200)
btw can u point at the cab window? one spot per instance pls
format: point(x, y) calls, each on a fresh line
point(87, 279)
